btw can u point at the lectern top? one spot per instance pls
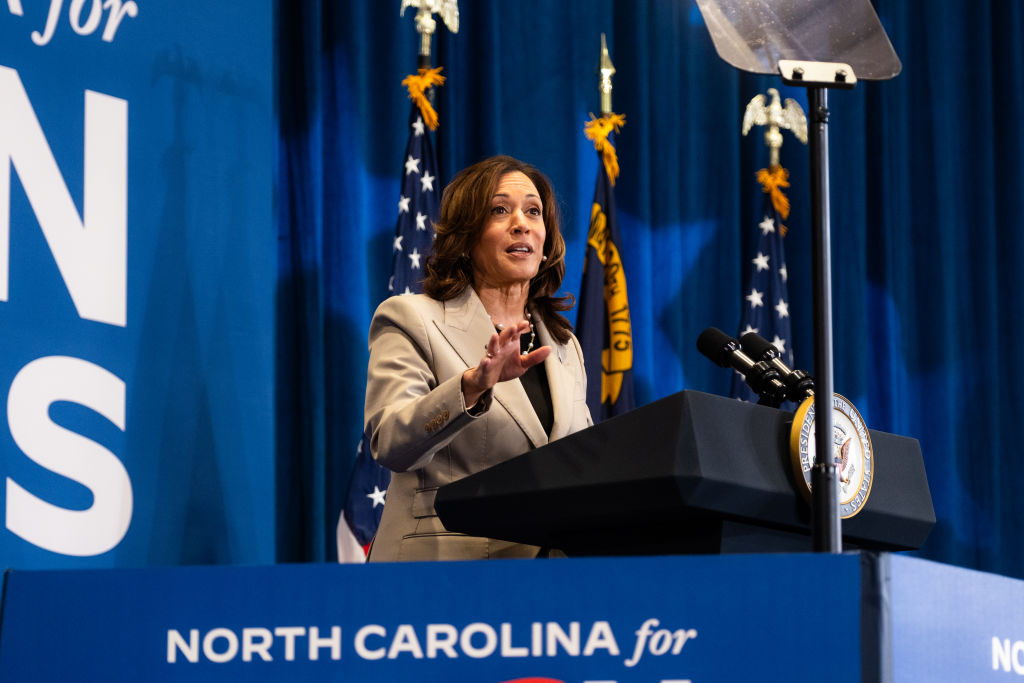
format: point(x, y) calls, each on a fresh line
point(753, 35)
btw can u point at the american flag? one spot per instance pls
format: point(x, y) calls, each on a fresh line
point(418, 207)
point(603, 322)
point(765, 297)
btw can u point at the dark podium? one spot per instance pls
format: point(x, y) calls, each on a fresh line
point(690, 473)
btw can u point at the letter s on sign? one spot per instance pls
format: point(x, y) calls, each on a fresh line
point(70, 532)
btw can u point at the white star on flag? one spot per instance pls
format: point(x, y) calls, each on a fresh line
point(417, 126)
point(403, 204)
point(428, 181)
point(783, 308)
point(754, 298)
point(779, 343)
point(761, 261)
point(421, 221)
point(398, 242)
point(748, 329)
point(414, 259)
point(377, 496)
point(412, 165)
point(767, 225)
point(783, 272)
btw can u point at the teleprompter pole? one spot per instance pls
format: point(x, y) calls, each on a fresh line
point(826, 524)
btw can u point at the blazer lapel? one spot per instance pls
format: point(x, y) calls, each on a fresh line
point(559, 381)
point(467, 328)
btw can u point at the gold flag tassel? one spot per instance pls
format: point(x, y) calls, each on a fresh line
point(418, 84)
point(772, 181)
point(598, 130)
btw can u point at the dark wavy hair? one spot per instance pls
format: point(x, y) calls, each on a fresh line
point(465, 208)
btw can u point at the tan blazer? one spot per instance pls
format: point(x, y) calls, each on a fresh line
point(419, 348)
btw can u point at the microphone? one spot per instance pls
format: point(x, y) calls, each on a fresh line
point(762, 378)
point(799, 384)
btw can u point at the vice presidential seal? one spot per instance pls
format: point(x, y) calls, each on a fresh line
point(851, 450)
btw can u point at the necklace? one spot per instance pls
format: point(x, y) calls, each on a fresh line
point(533, 331)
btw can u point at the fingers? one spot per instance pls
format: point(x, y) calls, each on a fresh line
point(535, 357)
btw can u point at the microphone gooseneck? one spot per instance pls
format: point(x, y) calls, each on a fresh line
point(762, 378)
point(799, 384)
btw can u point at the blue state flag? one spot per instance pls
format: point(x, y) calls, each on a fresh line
point(603, 322)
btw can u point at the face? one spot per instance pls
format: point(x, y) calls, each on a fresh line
point(511, 244)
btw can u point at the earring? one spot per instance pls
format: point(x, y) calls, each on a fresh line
point(544, 258)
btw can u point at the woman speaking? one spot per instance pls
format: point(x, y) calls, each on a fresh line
point(479, 369)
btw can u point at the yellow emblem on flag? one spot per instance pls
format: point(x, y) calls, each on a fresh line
point(617, 358)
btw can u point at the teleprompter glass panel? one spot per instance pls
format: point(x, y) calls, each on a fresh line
point(753, 35)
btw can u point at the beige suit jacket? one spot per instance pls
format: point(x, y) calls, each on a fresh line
point(421, 430)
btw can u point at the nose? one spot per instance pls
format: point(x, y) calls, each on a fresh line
point(519, 224)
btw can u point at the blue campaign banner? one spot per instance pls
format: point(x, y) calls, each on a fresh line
point(648, 620)
point(136, 283)
point(954, 624)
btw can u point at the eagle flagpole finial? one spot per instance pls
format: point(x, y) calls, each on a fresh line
point(425, 24)
point(775, 116)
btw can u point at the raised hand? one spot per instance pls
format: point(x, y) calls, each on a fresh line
point(501, 362)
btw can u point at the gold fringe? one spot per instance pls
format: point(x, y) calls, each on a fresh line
point(598, 130)
point(418, 84)
point(772, 181)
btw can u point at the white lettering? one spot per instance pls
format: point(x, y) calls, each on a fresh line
point(570, 642)
point(90, 252)
point(601, 636)
point(14, 7)
point(289, 633)
point(118, 10)
point(660, 640)
point(117, 13)
point(1018, 657)
point(435, 642)
point(71, 532)
point(507, 649)
point(1000, 654)
point(405, 641)
point(176, 644)
point(51, 24)
point(641, 641)
point(211, 652)
point(332, 641)
point(490, 640)
point(250, 646)
point(75, 17)
point(536, 639)
point(360, 643)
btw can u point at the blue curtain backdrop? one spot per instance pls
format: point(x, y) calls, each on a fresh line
point(926, 189)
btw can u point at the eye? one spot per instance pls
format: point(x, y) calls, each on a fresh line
point(534, 211)
point(498, 210)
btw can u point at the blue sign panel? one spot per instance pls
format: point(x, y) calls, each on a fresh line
point(647, 620)
point(136, 283)
point(953, 624)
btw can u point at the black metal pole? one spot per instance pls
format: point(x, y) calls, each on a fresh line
point(826, 524)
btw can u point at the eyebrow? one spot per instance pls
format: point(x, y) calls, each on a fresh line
point(507, 195)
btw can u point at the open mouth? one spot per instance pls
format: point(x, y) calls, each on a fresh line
point(523, 249)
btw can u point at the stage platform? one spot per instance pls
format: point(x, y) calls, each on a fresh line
point(802, 617)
